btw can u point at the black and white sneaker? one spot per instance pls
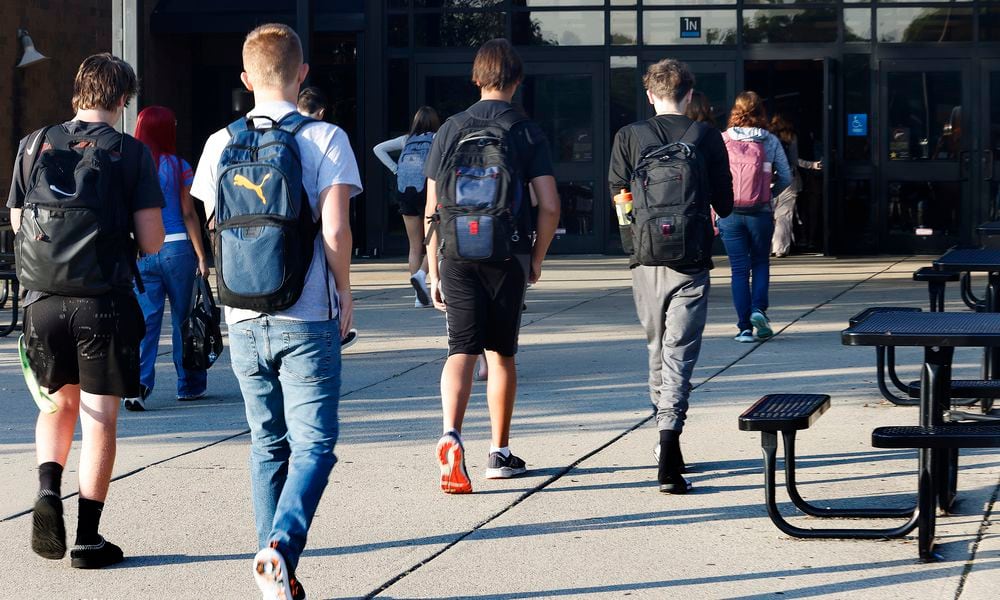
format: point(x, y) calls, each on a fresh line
point(138, 403)
point(95, 556)
point(48, 530)
point(504, 467)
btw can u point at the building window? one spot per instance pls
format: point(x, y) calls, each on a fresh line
point(857, 25)
point(559, 28)
point(857, 107)
point(916, 24)
point(624, 28)
point(662, 27)
point(813, 25)
point(457, 29)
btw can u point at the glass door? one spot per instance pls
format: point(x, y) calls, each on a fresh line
point(988, 208)
point(565, 100)
point(925, 154)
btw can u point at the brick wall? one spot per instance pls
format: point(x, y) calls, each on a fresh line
point(64, 30)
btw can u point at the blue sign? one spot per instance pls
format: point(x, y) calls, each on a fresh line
point(690, 27)
point(857, 124)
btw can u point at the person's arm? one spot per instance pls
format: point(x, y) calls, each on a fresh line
point(431, 234)
point(334, 208)
point(149, 229)
point(780, 164)
point(15, 219)
point(620, 167)
point(812, 165)
point(382, 152)
point(193, 226)
point(720, 178)
point(547, 194)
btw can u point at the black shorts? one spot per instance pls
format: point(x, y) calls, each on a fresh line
point(93, 342)
point(484, 305)
point(412, 203)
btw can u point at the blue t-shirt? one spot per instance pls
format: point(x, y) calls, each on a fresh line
point(173, 216)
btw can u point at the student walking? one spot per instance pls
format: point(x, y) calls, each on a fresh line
point(171, 272)
point(755, 159)
point(477, 170)
point(82, 324)
point(785, 211)
point(312, 103)
point(676, 170)
point(412, 187)
point(287, 291)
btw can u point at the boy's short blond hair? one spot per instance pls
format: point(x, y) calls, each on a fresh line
point(272, 55)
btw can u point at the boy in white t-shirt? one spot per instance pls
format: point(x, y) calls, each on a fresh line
point(288, 363)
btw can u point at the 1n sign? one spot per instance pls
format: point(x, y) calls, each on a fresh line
point(690, 27)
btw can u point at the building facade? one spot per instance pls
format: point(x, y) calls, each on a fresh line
point(896, 98)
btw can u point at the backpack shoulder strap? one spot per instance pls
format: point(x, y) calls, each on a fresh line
point(649, 138)
point(238, 126)
point(693, 134)
point(510, 117)
point(293, 122)
point(32, 147)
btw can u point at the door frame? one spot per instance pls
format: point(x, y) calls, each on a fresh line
point(988, 160)
point(961, 170)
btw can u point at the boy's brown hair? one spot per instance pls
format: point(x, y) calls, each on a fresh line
point(272, 55)
point(497, 66)
point(102, 81)
point(669, 79)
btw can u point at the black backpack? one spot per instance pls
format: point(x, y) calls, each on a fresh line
point(480, 212)
point(75, 236)
point(671, 221)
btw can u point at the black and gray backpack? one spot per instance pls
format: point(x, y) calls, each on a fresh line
point(480, 212)
point(75, 235)
point(671, 217)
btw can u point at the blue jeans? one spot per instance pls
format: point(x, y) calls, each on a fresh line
point(289, 373)
point(747, 238)
point(168, 274)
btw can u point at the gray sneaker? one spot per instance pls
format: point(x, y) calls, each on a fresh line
point(759, 320)
point(745, 337)
point(504, 467)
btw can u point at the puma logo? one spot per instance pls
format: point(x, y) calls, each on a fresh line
point(257, 188)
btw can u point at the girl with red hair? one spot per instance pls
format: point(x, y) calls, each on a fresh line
point(170, 273)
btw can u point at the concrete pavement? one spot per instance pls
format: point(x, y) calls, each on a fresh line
point(587, 520)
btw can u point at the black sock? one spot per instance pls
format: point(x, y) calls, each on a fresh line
point(50, 478)
point(668, 462)
point(88, 522)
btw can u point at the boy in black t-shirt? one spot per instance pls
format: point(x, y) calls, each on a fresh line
point(85, 350)
point(672, 303)
point(484, 299)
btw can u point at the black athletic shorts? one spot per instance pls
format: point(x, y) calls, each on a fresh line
point(93, 342)
point(412, 203)
point(484, 303)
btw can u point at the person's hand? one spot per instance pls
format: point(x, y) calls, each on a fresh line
point(346, 312)
point(437, 296)
point(203, 268)
point(536, 272)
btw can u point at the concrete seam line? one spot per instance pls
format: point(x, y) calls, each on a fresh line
point(562, 472)
point(967, 570)
point(139, 470)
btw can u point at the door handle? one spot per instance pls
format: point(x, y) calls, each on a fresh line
point(988, 165)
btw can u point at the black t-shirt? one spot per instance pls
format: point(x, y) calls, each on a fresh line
point(145, 194)
point(532, 146)
point(627, 150)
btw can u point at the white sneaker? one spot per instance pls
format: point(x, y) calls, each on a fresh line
point(418, 304)
point(134, 404)
point(419, 282)
point(271, 575)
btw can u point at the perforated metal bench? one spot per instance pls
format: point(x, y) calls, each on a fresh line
point(789, 413)
point(947, 439)
point(885, 359)
point(936, 280)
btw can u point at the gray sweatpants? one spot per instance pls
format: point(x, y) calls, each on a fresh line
point(672, 308)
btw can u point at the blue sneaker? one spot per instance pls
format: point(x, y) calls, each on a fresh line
point(759, 320)
point(745, 337)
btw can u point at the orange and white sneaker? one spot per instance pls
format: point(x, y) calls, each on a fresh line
point(273, 577)
point(451, 455)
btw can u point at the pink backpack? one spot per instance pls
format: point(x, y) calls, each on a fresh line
point(751, 173)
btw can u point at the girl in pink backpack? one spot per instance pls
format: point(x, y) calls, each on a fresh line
point(760, 171)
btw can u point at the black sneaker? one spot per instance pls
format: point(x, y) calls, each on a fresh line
point(137, 403)
point(95, 556)
point(48, 530)
point(504, 467)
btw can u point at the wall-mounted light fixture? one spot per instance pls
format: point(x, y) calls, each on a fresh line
point(31, 55)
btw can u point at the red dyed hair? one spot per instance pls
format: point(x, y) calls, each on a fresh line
point(156, 127)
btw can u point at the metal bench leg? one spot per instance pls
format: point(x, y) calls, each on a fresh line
point(818, 511)
point(769, 445)
point(880, 368)
point(968, 297)
point(936, 291)
point(926, 514)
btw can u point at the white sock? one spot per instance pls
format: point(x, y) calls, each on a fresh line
point(505, 451)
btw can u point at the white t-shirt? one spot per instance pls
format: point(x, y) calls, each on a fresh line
point(327, 159)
